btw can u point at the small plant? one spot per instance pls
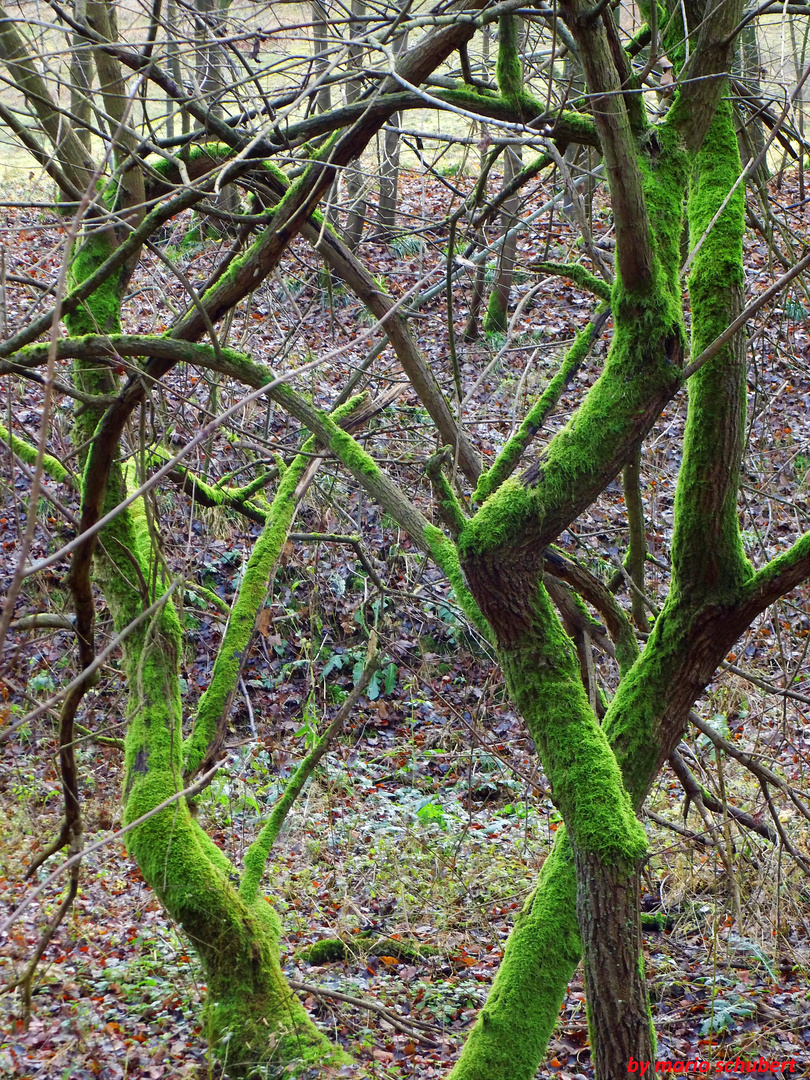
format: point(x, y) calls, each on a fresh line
point(41, 681)
point(725, 1013)
point(408, 245)
point(431, 814)
point(795, 311)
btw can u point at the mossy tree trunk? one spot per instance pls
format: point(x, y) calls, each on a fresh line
point(710, 603)
point(252, 1015)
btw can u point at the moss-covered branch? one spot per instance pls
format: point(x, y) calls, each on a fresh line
point(28, 453)
point(211, 495)
point(509, 457)
point(600, 597)
point(509, 67)
point(577, 273)
point(449, 507)
point(707, 552)
point(782, 574)
point(258, 852)
point(253, 1015)
point(211, 719)
point(634, 243)
point(637, 551)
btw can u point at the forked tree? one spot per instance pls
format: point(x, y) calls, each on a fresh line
point(671, 166)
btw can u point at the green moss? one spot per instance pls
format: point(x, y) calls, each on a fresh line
point(673, 38)
point(543, 676)
point(450, 508)
point(214, 702)
point(496, 319)
point(445, 554)
point(353, 456)
point(512, 1031)
point(762, 583)
point(212, 598)
point(578, 126)
point(28, 453)
point(503, 515)
point(508, 67)
point(101, 313)
point(367, 943)
point(579, 274)
point(507, 460)
point(707, 550)
point(656, 921)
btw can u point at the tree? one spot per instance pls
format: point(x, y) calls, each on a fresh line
point(497, 547)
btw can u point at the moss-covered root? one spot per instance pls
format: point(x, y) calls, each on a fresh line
point(332, 950)
point(512, 1031)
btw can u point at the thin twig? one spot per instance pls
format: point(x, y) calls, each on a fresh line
point(365, 1003)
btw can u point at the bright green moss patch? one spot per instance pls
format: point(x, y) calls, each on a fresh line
point(101, 312)
point(28, 453)
point(707, 549)
point(579, 274)
point(499, 520)
point(213, 705)
point(496, 319)
point(542, 673)
point(353, 456)
point(508, 67)
point(367, 943)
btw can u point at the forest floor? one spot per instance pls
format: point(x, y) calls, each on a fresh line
point(423, 831)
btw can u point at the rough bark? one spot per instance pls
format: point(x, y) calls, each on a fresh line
point(356, 219)
point(615, 989)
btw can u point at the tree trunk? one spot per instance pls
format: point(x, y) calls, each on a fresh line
point(253, 1016)
point(357, 207)
point(497, 315)
point(389, 180)
point(615, 988)
point(509, 70)
point(389, 166)
point(711, 600)
point(320, 51)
